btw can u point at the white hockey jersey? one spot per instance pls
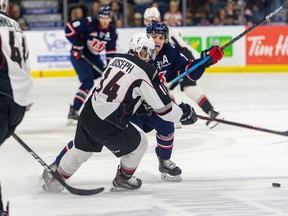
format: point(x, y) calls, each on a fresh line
point(126, 82)
point(15, 78)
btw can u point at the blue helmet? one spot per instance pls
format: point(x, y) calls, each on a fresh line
point(157, 27)
point(104, 11)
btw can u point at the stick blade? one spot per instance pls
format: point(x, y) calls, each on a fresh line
point(84, 192)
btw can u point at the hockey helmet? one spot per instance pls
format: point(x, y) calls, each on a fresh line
point(104, 11)
point(142, 41)
point(157, 28)
point(4, 4)
point(151, 13)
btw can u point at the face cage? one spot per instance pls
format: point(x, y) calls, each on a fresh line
point(150, 52)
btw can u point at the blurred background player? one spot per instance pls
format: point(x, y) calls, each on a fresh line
point(89, 37)
point(104, 120)
point(188, 86)
point(170, 62)
point(15, 79)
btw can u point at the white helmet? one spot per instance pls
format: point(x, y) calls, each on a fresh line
point(142, 41)
point(151, 13)
point(4, 4)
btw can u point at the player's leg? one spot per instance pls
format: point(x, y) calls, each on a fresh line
point(140, 120)
point(11, 114)
point(165, 140)
point(68, 165)
point(86, 77)
point(193, 91)
point(3, 212)
point(127, 143)
point(129, 162)
point(4, 119)
point(72, 156)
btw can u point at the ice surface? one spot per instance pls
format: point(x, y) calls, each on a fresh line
point(227, 170)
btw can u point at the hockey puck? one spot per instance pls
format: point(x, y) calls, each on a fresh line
point(276, 184)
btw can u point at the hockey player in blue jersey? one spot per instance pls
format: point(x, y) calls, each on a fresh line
point(170, 63)
point(89, 37)
point(189, 87)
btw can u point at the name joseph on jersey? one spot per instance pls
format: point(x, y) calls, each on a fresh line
point(122, 64)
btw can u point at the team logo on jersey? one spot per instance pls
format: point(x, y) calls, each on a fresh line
point(164, 63)
point(162, 76)
point(96, 46)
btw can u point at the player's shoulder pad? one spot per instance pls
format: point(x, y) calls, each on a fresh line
point(149, 69)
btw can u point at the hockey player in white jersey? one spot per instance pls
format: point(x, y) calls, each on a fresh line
point(188, 86)
point(15, 79)
point(105, 119)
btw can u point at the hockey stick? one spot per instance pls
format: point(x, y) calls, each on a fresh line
point(203, 61)
point(92, 64)
point(253, 127)
point(72, 190)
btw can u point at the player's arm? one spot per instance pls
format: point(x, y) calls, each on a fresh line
point(75, 29)
point(156, 95)
point(215, 53)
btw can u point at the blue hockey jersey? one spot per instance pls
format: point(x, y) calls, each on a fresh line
point(170, 63)
point(87, 32)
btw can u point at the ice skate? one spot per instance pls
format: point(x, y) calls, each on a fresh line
point(73, 116)
point(178, 125)
point(5, 212)
point(169, 171)
point(213, 114)
point(123, 182)
point(49, 183)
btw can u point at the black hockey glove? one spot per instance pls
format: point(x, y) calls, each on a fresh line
point(189, 116)
point(144, 110)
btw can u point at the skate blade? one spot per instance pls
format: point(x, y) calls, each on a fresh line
point(168, 178)
point(212, 124)
point(117, 189)
point(178, 125)
point(120, 189)
point(71, 122)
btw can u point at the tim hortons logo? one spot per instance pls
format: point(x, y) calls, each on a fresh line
point(259, 48)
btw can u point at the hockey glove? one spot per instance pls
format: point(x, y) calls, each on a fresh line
point(215, 53)
point(77, 51)
point(189, 116)
point(144, 110)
